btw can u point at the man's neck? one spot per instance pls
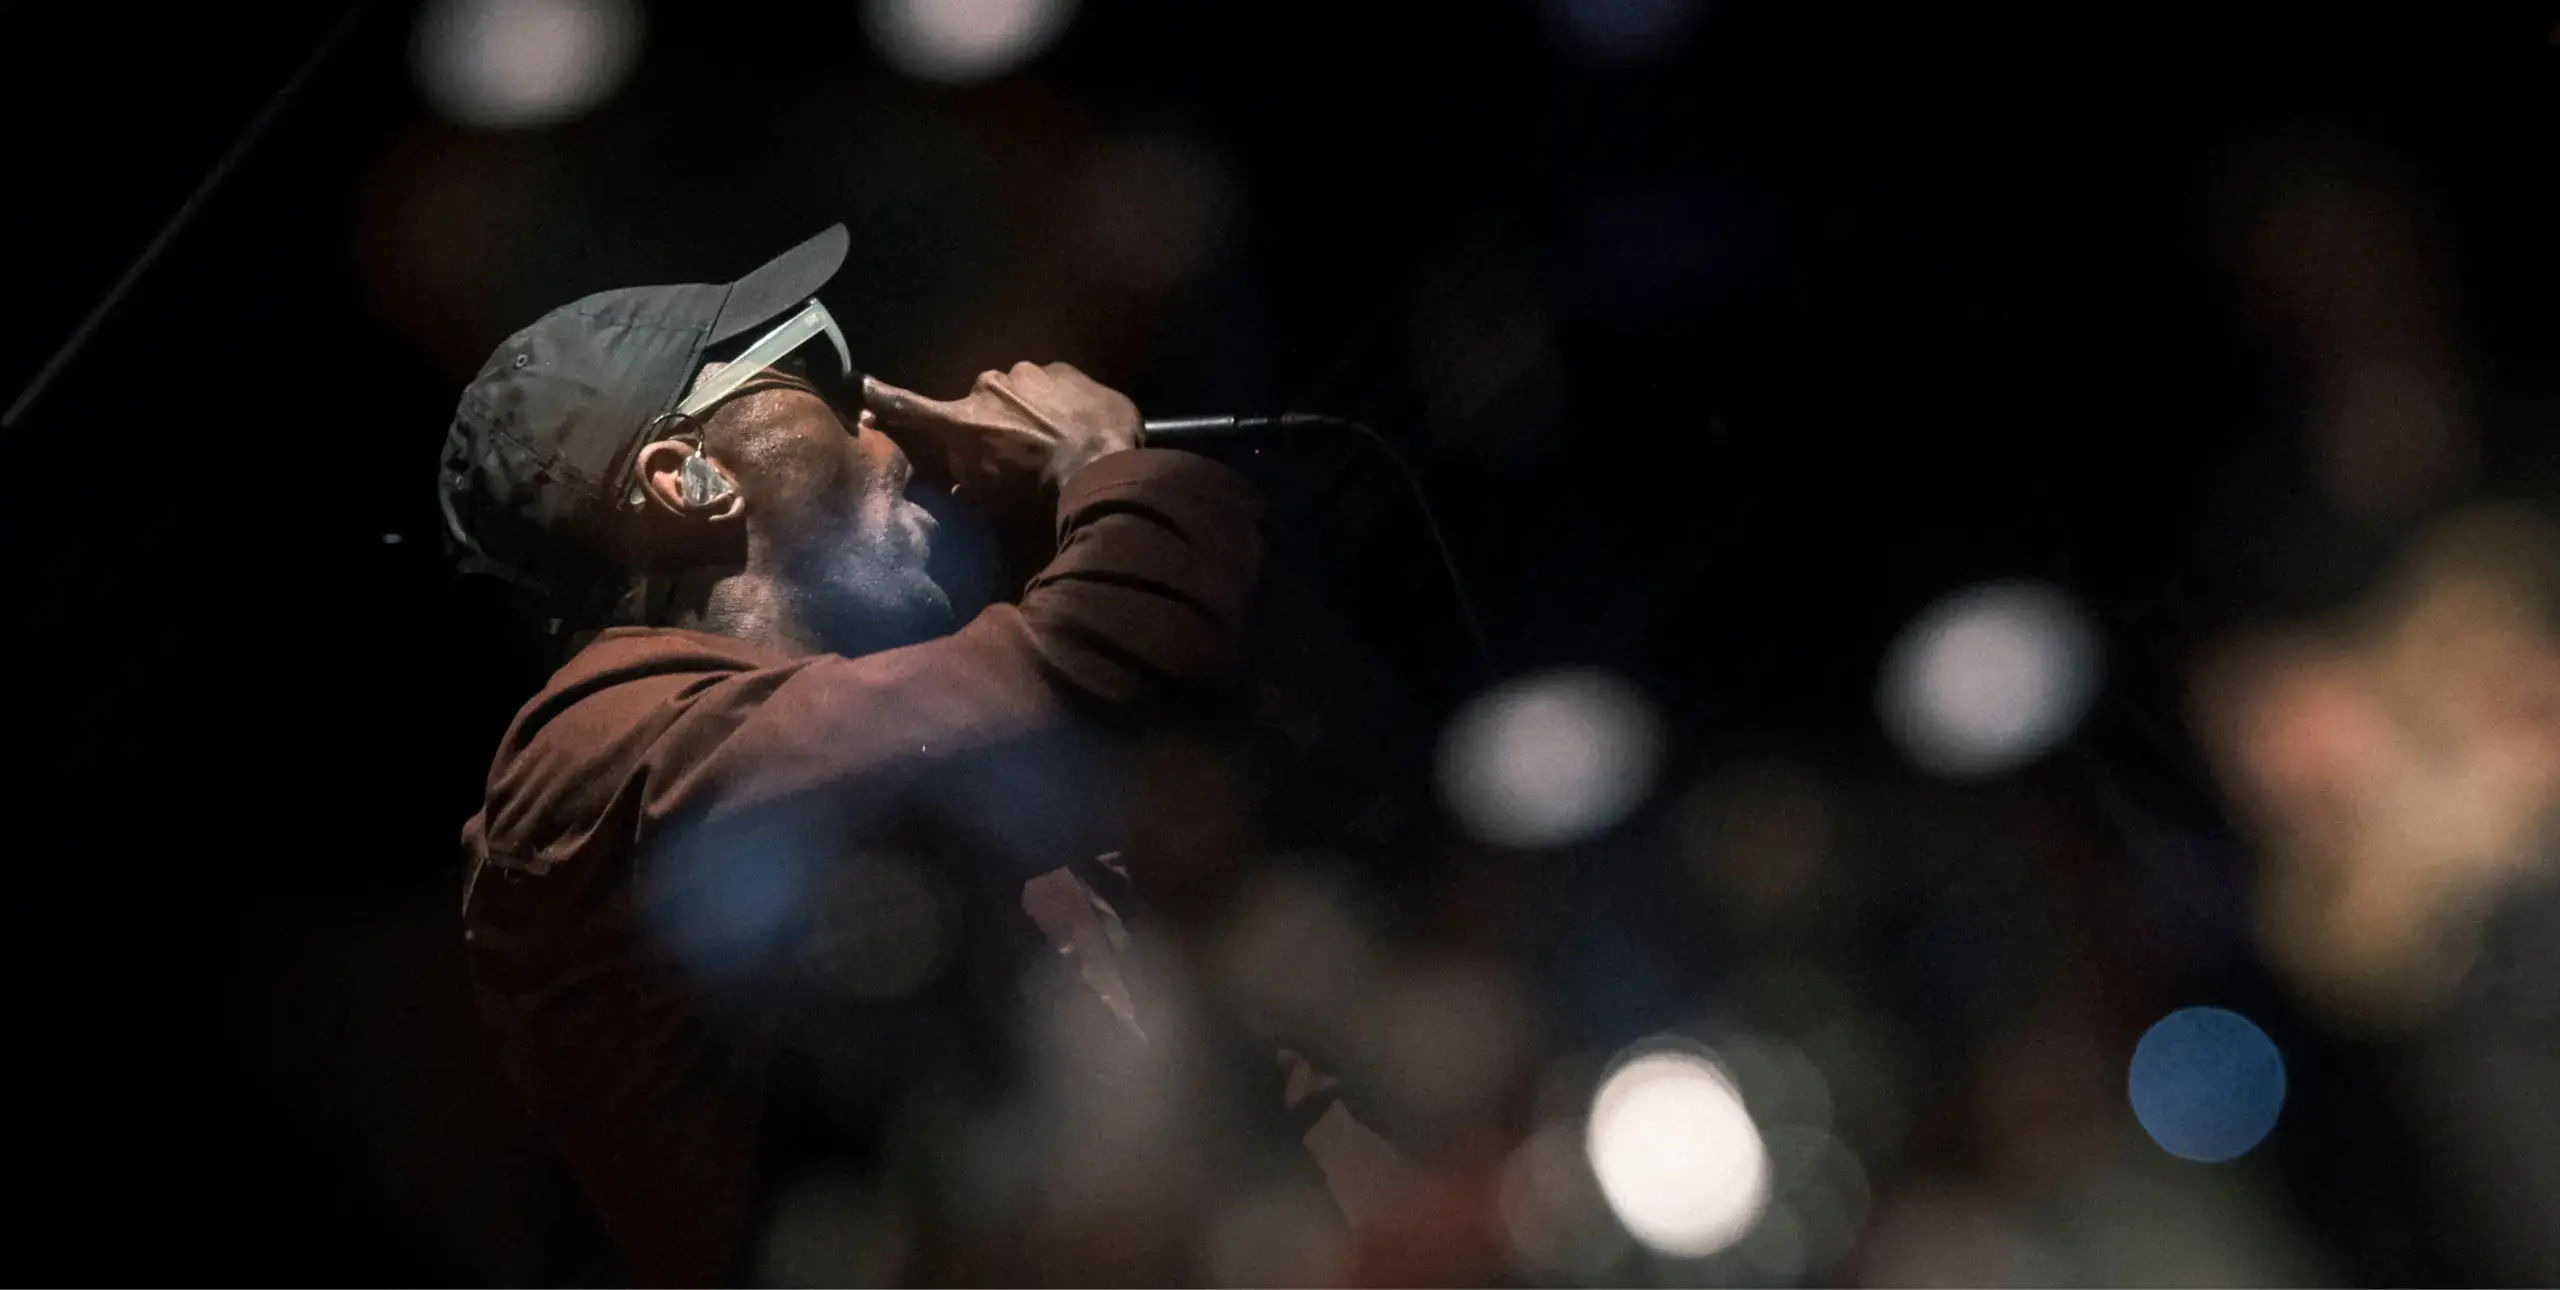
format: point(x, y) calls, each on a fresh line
point(786, 604)
point(744, 605)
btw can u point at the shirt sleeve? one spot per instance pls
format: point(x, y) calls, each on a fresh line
point(1141, 610)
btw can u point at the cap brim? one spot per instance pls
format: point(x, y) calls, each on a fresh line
point(781, 285)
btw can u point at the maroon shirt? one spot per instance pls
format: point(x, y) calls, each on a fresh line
point(616, 916)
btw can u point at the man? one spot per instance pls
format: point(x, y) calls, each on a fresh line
point(771, 742)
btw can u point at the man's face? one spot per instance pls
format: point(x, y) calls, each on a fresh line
point(832, 517)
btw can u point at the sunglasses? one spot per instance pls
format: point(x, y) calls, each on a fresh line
point(770, 351)
point(777, 350)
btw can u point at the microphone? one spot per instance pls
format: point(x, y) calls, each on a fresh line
point(1177, 432)
point(1186, 432)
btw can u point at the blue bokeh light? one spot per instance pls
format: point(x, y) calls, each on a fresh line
point(2206, 1084)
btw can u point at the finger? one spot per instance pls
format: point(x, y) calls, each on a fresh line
point(1025, 407)
point(895, 407)
point(925, 450)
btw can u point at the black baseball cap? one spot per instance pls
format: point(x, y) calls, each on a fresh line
point(535, 473)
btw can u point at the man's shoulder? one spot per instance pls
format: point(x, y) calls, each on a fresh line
point(623, 654)
point(598, 722)
point(626, 680)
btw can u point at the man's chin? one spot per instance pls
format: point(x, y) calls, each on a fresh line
point(886, 623)
point(935, 602)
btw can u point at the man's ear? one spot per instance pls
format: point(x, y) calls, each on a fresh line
point(684, 480)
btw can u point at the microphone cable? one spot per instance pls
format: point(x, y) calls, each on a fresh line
point(1179, 432)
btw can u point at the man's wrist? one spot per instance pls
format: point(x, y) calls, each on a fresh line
point(1066, 467)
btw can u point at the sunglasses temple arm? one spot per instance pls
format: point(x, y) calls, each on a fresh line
point(767, 351)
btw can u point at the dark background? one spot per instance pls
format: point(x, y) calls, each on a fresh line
point(1717, 368)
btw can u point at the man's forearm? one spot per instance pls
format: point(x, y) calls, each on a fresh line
point(1146, 600)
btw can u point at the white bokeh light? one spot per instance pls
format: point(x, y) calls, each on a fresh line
point(1551, 759)
point(956, 41)
point(514, 63)
point(1676, 1154)
point(1989, 678)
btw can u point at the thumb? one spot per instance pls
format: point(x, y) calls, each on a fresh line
point(905, 409)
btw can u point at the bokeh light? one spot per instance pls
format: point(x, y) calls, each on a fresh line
point(1117, 1123)
point(2398, 764)
point(1552, 1212)
point(957, 41)
point(1988, 679)
point(724, 899)
point(1776, 1243)
point(1282, 1237)
point(516, 63)
point(1447, 1036)
point(1676, 1154)
point(2206, 1084)
point(1551, 759)
point(880, 927)
point(1298, 954)
point(832, 1229)
point(1821, 1188)
point(1777, 1081)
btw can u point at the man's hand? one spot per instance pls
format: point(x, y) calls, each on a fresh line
point(1038, 421)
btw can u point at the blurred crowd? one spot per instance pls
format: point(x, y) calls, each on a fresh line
point(2204, 931)
point(1560, 989)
